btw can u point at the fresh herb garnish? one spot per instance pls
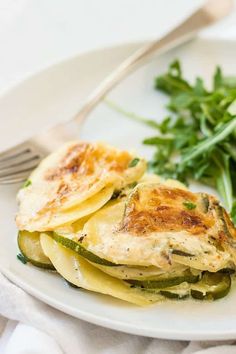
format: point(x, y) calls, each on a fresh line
point(182, 253)
point(197, 141)
point(189, 205)
point(22, 258)
point(132, 185)
point(116, 194)
point(27, 183)
point(134, 162)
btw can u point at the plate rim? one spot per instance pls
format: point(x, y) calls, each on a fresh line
point(115, 324)
point(136, 43)
point(89, 316)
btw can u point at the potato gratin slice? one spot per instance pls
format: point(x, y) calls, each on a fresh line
point(90, 212)
point(73, 182)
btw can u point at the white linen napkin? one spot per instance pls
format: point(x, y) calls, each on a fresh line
point(35, 328)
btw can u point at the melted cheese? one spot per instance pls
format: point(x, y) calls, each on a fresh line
point(152, 224)
point(57, 220)
point(67, 178)
point(79, 272)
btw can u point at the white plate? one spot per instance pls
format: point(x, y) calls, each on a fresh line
point(55, 94)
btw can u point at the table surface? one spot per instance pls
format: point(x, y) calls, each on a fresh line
point(35, 34)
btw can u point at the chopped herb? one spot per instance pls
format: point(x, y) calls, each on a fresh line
point(197, 140)
point(116, 194)
point(22, 258)
point(27, 183)
point(189, 205)
point(132, 185)
point(134, 162)
point(182, 253)
point(82, 238)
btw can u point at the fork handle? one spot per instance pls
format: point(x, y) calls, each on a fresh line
point(200, 19)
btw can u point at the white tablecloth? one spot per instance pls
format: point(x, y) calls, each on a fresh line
point(34, 34)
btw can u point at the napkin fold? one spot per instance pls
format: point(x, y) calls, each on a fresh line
point(28, 326)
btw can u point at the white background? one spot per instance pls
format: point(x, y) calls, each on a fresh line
point(37, 33)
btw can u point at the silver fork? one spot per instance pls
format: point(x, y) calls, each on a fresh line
point(17, 162)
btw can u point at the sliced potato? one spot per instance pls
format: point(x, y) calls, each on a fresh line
point(72, 175)
point(79, 249)
point(152, 178)
point(154, 227)
point(137, 273)
point(81, 273)
point(58, 219)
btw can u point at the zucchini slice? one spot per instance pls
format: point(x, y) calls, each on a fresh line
point(75, 269)
point(78, 248)
point(167, 280)
point(174, 294)
point(212, 286)
point(179, 292)
point(30, 247)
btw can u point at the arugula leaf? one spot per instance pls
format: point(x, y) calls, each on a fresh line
point(158, 140)
point(218, 78)
point(223, 178)
point(206, 144)
point(197, 140)
point(131, 115)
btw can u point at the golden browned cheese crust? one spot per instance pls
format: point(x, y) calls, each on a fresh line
point(75, 173)
point(165, 209)
point(160, 225)
point(82, 161)
point(81, 158)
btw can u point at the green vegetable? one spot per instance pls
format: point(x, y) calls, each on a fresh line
point(78, 248)
point(131, 115)
point(132, 185)
point(27, 183)
point(203, 129)
point(134, 162)
point(179, 292)
point(197, 141)
point(212, 286)
point(182, 253)
point(131, 272)
point(31, 250)
point(22, 258)
point(189, 205)
point(166, 280)
point(174, 294)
